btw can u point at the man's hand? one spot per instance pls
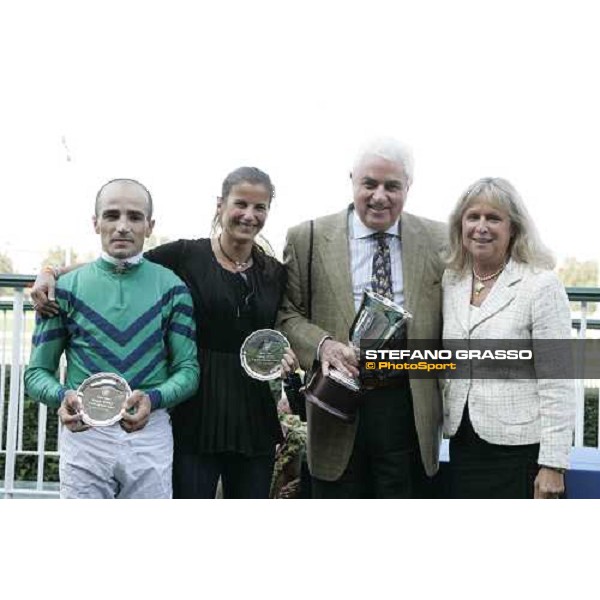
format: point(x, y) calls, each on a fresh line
point(340, 356)
point(549, 483)
point(139, 405)
point(70, 412)
point(43, 295)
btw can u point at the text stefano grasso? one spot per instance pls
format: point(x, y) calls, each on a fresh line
point(497, 354)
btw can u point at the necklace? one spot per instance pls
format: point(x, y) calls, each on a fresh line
point(239, 265)
point(479, 285)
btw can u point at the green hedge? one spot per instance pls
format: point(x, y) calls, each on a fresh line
point(590, 423)
point(26, 466)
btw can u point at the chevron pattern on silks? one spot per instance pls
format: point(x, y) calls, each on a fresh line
point(381, 278)
point(134, 324)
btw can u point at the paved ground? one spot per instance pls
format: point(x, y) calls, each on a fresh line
point(26, 489)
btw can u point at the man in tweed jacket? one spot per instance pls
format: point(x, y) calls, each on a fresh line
point(395, 440)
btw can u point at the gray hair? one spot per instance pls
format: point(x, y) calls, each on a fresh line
point(125, 182)
point(389, 149)
point(525, 244)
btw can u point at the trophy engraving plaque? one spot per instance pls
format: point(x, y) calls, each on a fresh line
point(261, 354)
point(102, 396)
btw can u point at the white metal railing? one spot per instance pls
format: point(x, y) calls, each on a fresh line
point(584, 327)
point(16, 326)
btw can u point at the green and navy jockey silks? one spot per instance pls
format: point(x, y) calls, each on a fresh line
point(138, 324)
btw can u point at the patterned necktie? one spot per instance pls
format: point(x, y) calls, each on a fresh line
point(381, 277)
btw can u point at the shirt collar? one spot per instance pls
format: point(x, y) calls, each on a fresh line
point(132, 260)
point(361, 231)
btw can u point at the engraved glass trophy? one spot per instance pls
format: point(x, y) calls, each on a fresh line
point(261, 354)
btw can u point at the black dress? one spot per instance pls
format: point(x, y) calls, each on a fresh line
point(232, 412)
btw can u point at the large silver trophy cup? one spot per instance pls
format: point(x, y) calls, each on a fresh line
point(378, 320)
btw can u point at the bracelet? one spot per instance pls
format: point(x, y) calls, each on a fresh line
point(557, 469)
point(54, 271)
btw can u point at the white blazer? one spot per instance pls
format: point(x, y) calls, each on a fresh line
point(525, 303)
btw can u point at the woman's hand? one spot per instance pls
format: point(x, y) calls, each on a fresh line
point(42, 294)
point(549, 483)
point(289, 363)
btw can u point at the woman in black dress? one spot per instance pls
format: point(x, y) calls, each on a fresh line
point(231, 429)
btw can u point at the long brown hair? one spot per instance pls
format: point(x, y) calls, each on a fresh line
point(253, 176)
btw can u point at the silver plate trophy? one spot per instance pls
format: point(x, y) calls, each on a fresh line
point(378, 320)
point(261, 354)
point(102, 396)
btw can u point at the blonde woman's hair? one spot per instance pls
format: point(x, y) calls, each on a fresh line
point(525, 245)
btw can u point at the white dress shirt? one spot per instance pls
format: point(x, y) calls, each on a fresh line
point(362, 248)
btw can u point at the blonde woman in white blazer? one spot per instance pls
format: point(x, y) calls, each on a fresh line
point(508, 438)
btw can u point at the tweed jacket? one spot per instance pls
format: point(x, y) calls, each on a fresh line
point(330, 441)
point(525, 303)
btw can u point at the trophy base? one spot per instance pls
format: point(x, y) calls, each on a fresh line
point(335, 394)
point(348, 382)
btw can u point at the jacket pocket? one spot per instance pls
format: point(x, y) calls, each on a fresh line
point(515, 411)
